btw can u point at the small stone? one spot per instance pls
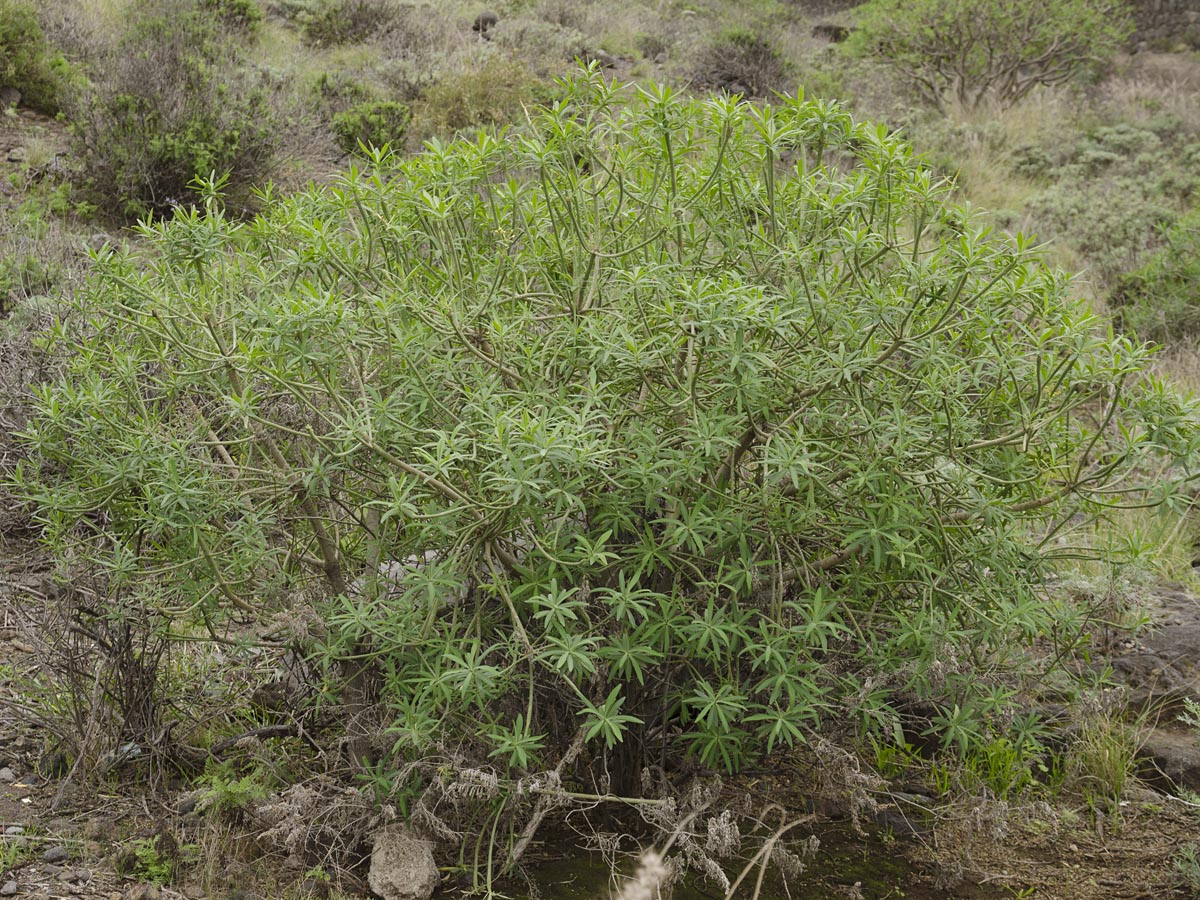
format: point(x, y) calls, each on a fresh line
point(402, 866)
point(9, 889)
point(144, 891)
point(13, 830)
point(82, 876)
point(7, 774)
point(16, 155)
point(52, 871)
point(55, 854)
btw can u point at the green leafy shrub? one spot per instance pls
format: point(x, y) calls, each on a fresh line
point(27, 63)
point(239, 16)
point(990, 50)
point(372, 124)
point(1161, 300)
point(157, 860)
point(336, 22)
point(742, 62)
point(340, 90)
point(602, 443)
point(174, 101)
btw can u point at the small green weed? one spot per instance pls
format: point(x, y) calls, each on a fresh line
point(1185, 869)
point(224, 792)
point(157, 860)
point(14, 850)
point(1101, 762)
point(1191, 713)
point(1006, 768)
point(149, 863)
point(893, 760)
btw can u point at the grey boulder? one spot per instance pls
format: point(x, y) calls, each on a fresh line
point(402, 865)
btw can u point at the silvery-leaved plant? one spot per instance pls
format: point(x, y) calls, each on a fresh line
point(662, 427)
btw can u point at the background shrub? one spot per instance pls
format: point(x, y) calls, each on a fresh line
point(543, 46)
point(335, 22)
point(497, 92)
point(990, 50)
point(742, 62)
point(173, 100)
point(372, 124)
point(27, 62)
point(1111, 193)
point(237, 16)
point(24, 276)
point(1161, 300)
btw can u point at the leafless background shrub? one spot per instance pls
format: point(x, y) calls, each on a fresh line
point(741, 62)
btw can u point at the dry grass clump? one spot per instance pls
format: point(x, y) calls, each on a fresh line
point(490, 91)
point(1180, 365)
point(425, 39)
point(82, 29)
point(545, 47)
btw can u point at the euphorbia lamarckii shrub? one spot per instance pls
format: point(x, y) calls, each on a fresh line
point(662, 428)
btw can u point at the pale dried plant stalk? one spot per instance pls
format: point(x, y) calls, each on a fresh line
point(651, 874)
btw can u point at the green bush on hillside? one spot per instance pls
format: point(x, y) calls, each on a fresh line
point(372, 124)
point(1109, 194)
point(239, 16)
point(977, 51)
point(1161, 300)
point(645, 432)
point(334, 22)
point(173, 101)
point(27, 63)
